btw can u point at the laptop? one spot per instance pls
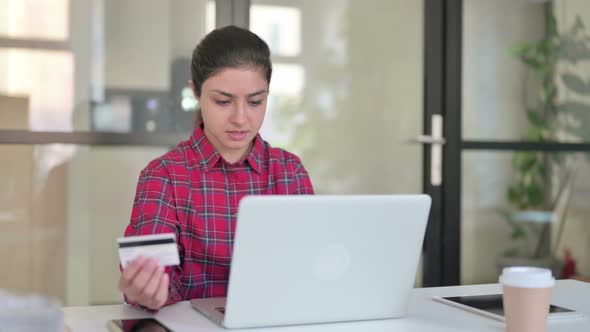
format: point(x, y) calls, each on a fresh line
point(319, 259)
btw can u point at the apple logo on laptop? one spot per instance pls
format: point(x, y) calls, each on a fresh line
point(331, 262)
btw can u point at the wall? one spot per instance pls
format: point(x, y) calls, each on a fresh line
point(137, 44)
point(362, 97)
point(16, 252)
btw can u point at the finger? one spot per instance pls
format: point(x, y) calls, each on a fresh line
point(161, 295)
point(143, 276)
point(135, 285)
point(129, 286)
point(152, 286)
point(129, 273)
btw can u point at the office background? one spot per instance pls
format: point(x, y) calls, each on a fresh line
point(92, 90)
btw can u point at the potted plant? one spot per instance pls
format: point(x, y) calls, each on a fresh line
point(540, 179)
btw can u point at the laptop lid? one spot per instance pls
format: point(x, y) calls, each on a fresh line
point(312, 259)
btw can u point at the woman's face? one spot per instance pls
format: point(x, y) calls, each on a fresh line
point(233, 103)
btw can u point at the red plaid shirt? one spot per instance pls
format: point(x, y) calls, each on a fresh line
point(193, 192)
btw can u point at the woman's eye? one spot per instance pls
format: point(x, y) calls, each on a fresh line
point(256, 102)
point(222, 102)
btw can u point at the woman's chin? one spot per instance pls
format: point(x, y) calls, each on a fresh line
point(237, 146)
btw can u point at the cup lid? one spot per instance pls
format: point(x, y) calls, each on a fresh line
point(527, 277)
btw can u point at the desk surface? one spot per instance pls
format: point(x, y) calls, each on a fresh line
point(424, 314)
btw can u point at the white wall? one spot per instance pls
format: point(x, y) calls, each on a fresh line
point(112, 179)
point(142, 37)
point(137, 44)
point(187, 26)
point(78, 220)
point(362, 97)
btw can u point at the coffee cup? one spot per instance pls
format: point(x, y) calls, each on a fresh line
point(526, 298)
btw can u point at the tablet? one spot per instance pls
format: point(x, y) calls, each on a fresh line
point(491, 306)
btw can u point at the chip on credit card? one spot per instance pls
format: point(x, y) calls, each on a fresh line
point(160, 246)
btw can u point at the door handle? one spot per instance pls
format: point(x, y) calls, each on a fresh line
point(436, 142)
point(427, 139)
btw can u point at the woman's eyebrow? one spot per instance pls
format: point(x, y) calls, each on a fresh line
point(227, 94)
point(257, 93)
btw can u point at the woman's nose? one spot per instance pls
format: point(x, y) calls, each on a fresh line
point(239, 114)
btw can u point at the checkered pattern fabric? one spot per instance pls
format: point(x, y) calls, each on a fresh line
point(193, 192)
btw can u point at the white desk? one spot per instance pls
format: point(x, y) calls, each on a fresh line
point(424, 314)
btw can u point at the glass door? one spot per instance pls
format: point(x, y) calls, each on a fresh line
point(526, 127)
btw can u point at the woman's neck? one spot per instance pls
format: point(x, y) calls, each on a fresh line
point(233, 156)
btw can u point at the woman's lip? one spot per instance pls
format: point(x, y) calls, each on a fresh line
point(237, 135)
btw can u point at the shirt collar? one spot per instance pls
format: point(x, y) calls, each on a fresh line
point(209, 156)
point(256, 156)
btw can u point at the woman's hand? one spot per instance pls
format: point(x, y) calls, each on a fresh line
point(145, 282)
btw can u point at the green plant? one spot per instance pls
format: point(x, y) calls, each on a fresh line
point(539, 179)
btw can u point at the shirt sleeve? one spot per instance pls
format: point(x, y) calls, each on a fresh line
point(154, 212)
point(302, 182)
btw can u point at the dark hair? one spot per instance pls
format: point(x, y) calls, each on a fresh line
point(231, 47)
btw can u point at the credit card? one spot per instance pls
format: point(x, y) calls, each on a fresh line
point(160, 246)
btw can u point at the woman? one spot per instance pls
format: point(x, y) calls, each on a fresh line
point(194, 190)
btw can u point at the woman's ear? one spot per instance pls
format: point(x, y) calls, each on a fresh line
point(192, 85)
